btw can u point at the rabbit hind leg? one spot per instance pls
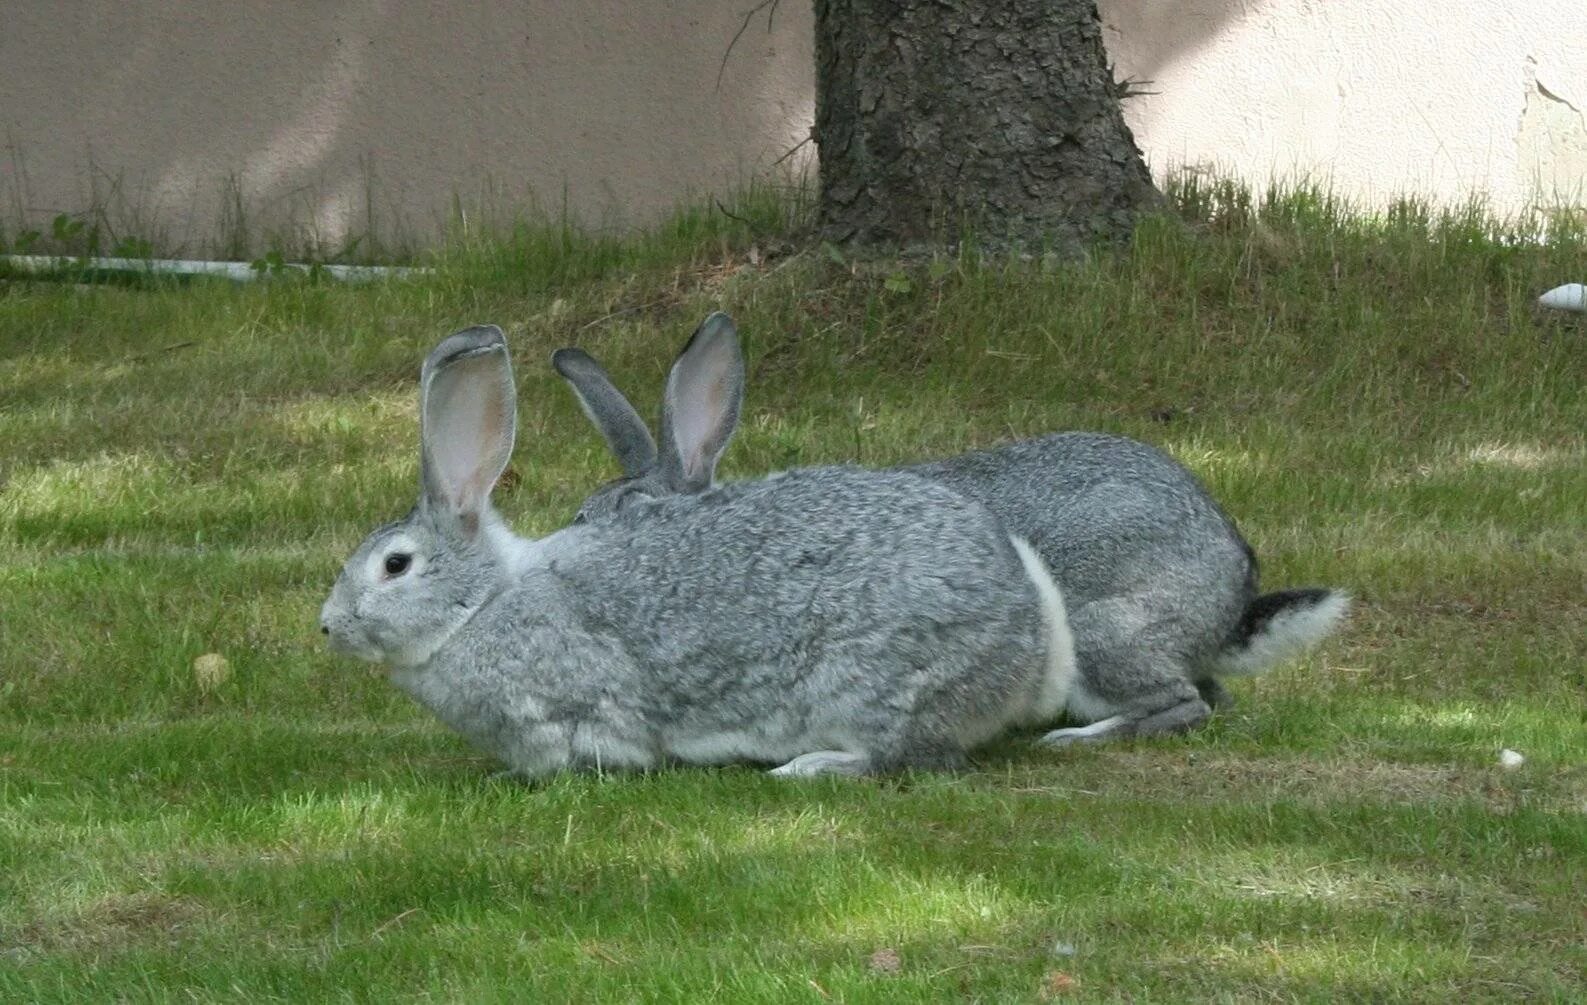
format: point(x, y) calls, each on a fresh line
point(824, 762)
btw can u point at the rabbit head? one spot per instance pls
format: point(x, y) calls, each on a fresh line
point(700, 410)
point(411, 583)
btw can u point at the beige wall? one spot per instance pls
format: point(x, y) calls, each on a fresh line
point(322, 119)
point(310, 109)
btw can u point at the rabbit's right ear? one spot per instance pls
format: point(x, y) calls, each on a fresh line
point(700, 410)
point(625, 432)
point(467, 415)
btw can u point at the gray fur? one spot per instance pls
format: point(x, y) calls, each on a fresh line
point(625, 432)
point(1155, 577)
point(1159, 586)
point(834, 619)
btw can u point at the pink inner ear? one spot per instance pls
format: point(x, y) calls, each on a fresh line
point(698, 457)
point(495, 417)
point(696, 422)
point(471, 434)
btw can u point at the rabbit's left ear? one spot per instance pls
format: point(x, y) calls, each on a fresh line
point(705, 391)
point(625, 432)
point(467, 415)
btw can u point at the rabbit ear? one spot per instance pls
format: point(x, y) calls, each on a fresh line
point(625, 432)
point(467, 415)
point(700, 410)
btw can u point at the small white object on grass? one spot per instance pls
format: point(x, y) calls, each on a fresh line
point(210, 671)
point(1570, 297)
point(1510, 759)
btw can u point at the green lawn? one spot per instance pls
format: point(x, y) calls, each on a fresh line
point(184, 467)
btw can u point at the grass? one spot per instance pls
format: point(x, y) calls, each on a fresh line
point(183, 468)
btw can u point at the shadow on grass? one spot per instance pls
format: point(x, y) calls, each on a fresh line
point(307, 858)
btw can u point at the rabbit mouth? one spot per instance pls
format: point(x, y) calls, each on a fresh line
point(354, 645)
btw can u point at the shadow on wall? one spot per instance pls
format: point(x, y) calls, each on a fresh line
point(1375, 100)
point(1143, 37)
point(233, 126)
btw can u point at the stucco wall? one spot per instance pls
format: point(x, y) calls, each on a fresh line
point(197, 121)
point(320, 115)
point(1377, 97)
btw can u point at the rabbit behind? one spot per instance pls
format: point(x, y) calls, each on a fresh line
point(832, 620)
point(1159, 587)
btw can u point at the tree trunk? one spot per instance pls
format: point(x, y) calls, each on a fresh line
point(1003, 117)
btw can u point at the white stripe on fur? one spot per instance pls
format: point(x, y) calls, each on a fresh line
point(1060, 642)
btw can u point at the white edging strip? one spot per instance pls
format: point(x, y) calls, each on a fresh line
point(241, 272)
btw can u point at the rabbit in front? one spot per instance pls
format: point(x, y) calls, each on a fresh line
point(1160, 588)
point(830, 620)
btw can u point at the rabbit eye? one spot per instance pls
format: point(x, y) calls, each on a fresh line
point(397, 563)
point(580, 517)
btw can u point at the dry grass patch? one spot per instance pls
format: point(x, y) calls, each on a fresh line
point(115, 923)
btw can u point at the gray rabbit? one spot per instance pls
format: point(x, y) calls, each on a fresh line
point(1160, 588)
point(831, 620)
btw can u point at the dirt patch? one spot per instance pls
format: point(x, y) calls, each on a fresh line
point(1194, 776)
point(114, 922)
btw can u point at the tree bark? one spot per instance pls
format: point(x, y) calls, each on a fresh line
point(1002, 117)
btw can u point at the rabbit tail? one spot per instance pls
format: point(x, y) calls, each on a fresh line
point(1277, 627)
